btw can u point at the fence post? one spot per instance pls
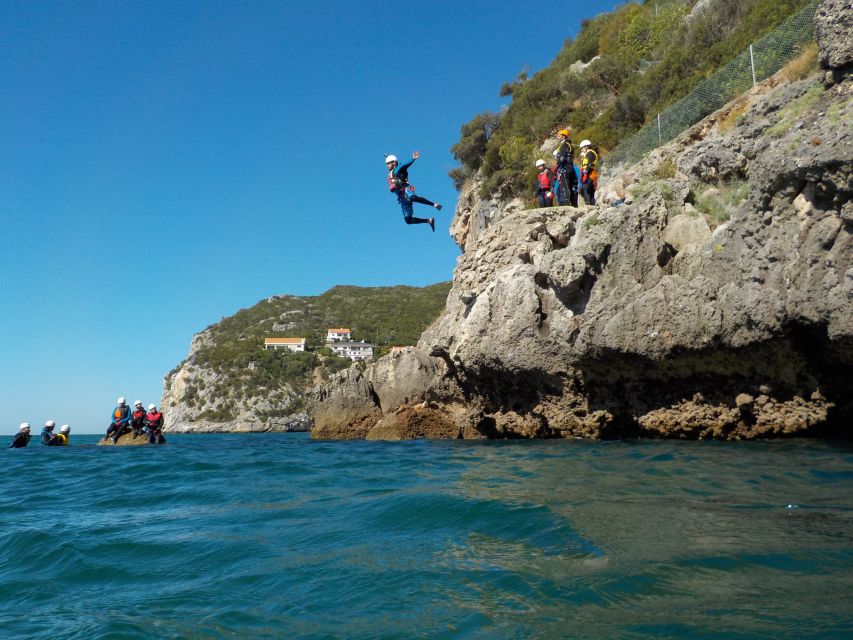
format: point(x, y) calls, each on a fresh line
point(752, 64)
point(660, 139)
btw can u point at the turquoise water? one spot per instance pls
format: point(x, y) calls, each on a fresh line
point(277, 536)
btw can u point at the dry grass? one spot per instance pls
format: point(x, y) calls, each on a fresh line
point(731, 117)
point(802, 66)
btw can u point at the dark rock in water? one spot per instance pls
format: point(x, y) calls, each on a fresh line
point(127, 440)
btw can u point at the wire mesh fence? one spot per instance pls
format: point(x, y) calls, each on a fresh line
point(763, 58)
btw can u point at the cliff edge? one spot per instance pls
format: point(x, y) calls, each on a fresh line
point(711, 296)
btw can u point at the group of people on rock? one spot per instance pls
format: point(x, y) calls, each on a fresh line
point(48, 437)
point(560, 184)
point(138, 421)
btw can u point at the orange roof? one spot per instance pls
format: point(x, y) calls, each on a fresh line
point(284, 340)
point(341, 330)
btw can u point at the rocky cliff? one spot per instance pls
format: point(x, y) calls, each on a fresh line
point(710, 296)
point(229, 383)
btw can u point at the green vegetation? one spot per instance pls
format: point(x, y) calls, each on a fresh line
point(385, 316)
point(796, 109)
point(717, 204)
point(639, 59)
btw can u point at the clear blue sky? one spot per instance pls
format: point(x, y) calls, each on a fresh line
point(164, 164)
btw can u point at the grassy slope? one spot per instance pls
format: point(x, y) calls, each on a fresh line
point(648, 59)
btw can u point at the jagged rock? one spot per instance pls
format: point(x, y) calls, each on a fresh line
point(597, 323)
point(685, 230)
point(402, 377)
point(833, 24)
point(345, 408)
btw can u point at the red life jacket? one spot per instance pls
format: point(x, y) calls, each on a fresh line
point(138, 416)
point(154, 419)
point(544, 178)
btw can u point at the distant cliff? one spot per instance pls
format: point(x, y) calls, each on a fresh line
point(710, 296)
point(228, 383)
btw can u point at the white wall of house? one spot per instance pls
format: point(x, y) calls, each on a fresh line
point(353, 350)
point(292, 346)
point(335, 336)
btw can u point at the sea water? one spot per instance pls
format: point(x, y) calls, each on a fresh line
point(279, 536)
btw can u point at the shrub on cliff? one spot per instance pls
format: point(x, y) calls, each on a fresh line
point(649, 55)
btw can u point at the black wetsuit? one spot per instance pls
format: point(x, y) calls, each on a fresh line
point(567, 191)
point(20, 440)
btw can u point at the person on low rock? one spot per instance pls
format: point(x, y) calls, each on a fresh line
point(22, 438)
point(567, 181)
point(137, 419)
point(589, 172)
point(154, 424)
point(63, 437)
point(47, 434)
point(398, 184)
point(544, 185)
point(119, 421)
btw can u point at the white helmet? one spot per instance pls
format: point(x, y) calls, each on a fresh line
point(64, 429)
point(586, 143)
point(50, 424)
point(555, 152)
point(391, 158)
point(540, 163)
point(121, 400)
point(25, 426)
point(151, 407)
point(137, 403)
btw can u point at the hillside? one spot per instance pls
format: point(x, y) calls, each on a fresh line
point(229, 382)
point(621, 69)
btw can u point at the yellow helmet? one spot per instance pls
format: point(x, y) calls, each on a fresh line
point(564, 132)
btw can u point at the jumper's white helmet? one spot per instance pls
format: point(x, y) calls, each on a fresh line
point(64, 429)
point(391, 158)
point(540, 163)
point(121, 400)
point(586, 143)
point(25, 426)
point(151, 407)
point(555, 152)
point(50, 424)
point(137, 403)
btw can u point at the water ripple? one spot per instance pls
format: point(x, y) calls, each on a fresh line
point(273, 536)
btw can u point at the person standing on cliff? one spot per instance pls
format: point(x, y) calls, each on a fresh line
point(567, 189)
point(22, 438)
point(544, 185)
point(154, 424)
point(589, 172)
point(398, 184)
point(118, 423)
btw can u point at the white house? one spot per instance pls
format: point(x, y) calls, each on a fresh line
point(353, 350)
point(335, 335)
point(294, 344)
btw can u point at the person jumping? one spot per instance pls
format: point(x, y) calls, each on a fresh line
point(398, 184)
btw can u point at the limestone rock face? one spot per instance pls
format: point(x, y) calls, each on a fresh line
point(191, 401)
point(716, 303)
point(833, 23)
point(344, 408)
